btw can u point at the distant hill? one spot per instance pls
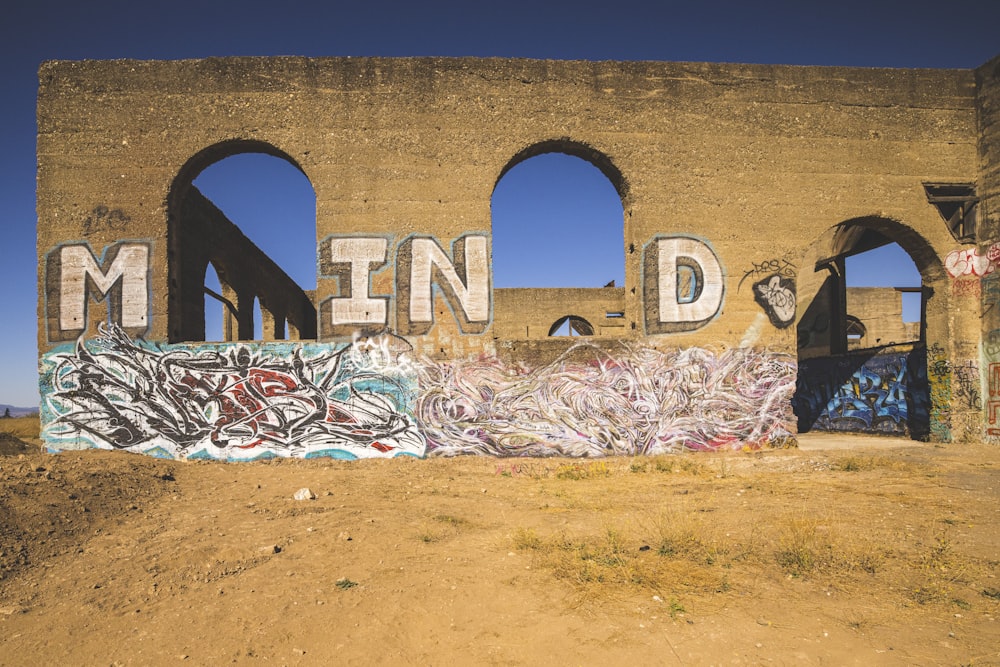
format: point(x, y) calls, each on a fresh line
point(16, 411)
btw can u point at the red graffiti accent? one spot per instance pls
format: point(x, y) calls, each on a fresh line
point(254, 404)
point(336, 415)
point(254, 407)
point(245, 405)
point(272, 383)
point(966, 288)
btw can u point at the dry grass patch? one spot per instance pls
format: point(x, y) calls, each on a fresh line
point(21, 427)
point(603, 564)
point(579, 471)
point(669, 463)
point(441, 526)
point(686, 556)
point(608, 468)
point(673, 555)
point(805, 546)
point(939, 574)
point(872, 462)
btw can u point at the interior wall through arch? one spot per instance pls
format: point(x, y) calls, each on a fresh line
point(250, 211)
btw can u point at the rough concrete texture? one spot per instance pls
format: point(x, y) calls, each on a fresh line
point(741, 187)
point(879, 310)
point(531, 313)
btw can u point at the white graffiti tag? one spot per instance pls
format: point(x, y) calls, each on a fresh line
point(968, 262)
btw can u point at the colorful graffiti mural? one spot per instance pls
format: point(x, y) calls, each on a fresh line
point(939, 386)
point(639, 401)
point(884, 393)
point(233, 401)
point(243, 401)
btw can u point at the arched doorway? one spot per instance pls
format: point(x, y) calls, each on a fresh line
point(861, 366)
point(253, 257)
point(558, 241)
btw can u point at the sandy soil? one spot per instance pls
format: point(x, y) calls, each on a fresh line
point(871, 554)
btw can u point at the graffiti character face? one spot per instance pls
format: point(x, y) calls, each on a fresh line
point(776, 295)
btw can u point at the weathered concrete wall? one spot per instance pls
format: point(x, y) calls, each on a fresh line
point(521, 313)
point(988, 108)
point(988, 284)
point(880, 311)
point(736, 182)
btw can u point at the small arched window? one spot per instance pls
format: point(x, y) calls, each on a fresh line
point(571, 325)
point(855, 329)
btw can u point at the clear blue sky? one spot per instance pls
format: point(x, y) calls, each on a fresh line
point(960, 34)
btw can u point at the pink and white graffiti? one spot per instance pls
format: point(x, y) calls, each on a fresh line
point(968, 262)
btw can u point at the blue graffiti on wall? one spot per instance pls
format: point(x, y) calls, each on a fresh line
point(884, 393)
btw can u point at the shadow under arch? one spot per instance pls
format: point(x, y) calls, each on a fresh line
point(889, 389)
point(847, 235)
point(199, 234)
point(858, 235)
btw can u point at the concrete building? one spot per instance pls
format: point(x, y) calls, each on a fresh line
point(743, 188)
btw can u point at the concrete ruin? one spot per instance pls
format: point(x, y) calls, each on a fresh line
point(743, 188)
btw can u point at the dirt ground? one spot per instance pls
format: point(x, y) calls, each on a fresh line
point(843, 552)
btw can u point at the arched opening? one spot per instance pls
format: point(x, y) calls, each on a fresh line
point(218, 309)
point(558, 240)
point(571, 325)
point(883, 294)
point(863, 331)
point(258, 321)
point(246, 209)
point(856, 333)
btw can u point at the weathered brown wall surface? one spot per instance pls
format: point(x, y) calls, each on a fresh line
point(530, 313)
point(880, 312)
point(988, 106)
point(988, 103)
point(741, 178)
